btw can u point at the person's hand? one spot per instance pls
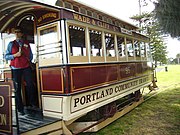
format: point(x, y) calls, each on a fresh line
point(18, 54)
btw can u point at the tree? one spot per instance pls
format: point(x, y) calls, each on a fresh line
point(151, 28)
point(168, 14)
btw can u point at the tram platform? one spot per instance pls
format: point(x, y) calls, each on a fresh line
point(34, 122)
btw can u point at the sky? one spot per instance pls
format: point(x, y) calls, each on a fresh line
point(123, 9)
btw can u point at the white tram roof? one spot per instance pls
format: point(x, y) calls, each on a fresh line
point(103, 12)
point(11, 9)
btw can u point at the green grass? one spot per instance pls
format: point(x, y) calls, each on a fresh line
point(170, 77)
point(158, 116)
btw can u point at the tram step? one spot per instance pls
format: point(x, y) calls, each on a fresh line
point(32, 124)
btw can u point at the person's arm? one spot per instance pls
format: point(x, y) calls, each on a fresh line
point(9, 55)
point(31, 55)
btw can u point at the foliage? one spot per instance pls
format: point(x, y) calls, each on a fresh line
point(151, 28)
point(178, 55)
point(168, 15)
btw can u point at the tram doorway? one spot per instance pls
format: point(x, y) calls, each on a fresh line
point(27, 23)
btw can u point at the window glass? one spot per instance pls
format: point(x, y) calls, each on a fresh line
point(110, 49)
point(67, 5)
point(89, 13)
point(148, 49)
point(121, 46)
point(100, 17)
point(105, 19)
point(95, 42)
point(130, 47)
point(109, 21)
point(49, 48)
point(137, 48)
point(83, 10)
point(77, 41)
point(143, 49)
point(75, 8)
point(95, 15)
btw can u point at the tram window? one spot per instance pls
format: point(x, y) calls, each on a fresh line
point(109, 21)
point(89, 13)
point(130, 48)
point(100, 17)
point(143, 49)
point(49, 48)
point(117, 23)
point(105, 19)
point(60, 3)
point(110, 49)
point(113, 22)
point(95, 42)
point(83, 11)
point(121, 46)
point(68, 5)
point(75, 8)
point(95, 15)
point(137, 48)
point(77, 41)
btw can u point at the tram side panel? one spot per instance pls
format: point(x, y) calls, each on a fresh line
point(73, 91)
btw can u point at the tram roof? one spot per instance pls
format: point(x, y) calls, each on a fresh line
point(103, 12)
point(10, 9)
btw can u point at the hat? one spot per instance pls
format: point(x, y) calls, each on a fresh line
point(18, 29)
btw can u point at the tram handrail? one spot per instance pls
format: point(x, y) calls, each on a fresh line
point(50, 43)
point(49, 48)
point(50, 52)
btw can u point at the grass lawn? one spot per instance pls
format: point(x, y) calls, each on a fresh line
point(159, 115)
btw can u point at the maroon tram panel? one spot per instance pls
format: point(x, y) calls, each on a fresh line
point(52, 80)
point(92, 76)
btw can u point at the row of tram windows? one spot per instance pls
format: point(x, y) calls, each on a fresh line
point(103, 43)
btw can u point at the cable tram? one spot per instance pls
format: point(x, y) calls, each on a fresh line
point(90, 67)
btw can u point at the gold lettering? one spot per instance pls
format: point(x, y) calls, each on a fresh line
point(88, 20)
point(40, 19)
point(1, 101)
point(84, 19)
point(93, 22)
point(75, 16)
point(80, 18)
point(3, 119)
point(49, 15)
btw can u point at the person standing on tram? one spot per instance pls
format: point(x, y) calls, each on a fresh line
point(19, 53)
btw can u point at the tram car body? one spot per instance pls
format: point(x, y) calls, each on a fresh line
point(86, 60)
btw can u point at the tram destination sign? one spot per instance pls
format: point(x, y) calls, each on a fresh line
point(5, 109)
point(95, 22)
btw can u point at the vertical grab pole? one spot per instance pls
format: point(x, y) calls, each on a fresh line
point(16, 112)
